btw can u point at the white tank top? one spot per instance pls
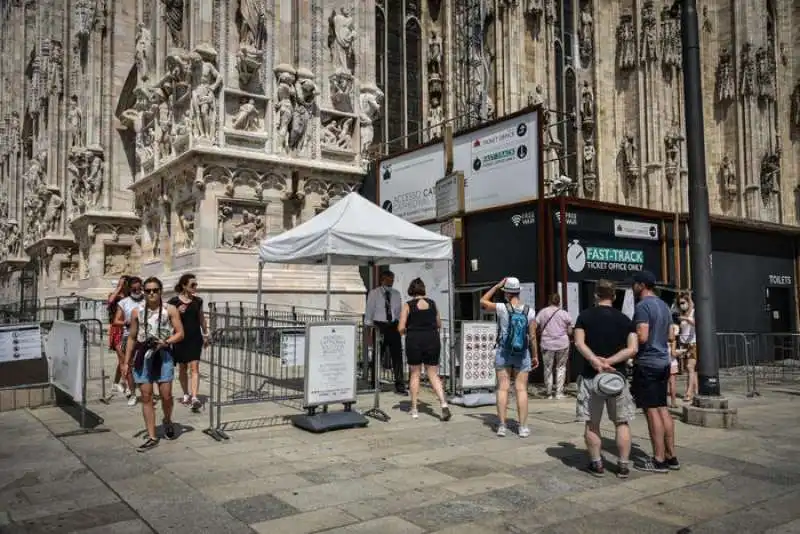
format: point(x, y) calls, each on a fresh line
point(153, 324)
point(687, 335)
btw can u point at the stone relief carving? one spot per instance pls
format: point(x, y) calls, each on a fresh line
point(208, 81)
point(328, 191)
point(649, 33)
point(370, 103)
point(68, 272)
point(295, 104)
point(84, 18)
point(11, 241)
point(341, 36)
point(86, 179)
point(173, 16)
point(141, 57)
point(56, 74)
point(337, 132)
point(626, 42)
point(589, 169)
point(186, 225)
point(117, 260)
point(241, 225)
point(770, 176)
point(251, 18)
point(630, 155)
point(341, 85)
point(672, 151)
point(726, 85)
point(435, 54)
point(747, 88)
point(42, 204)
point(728, 178)
point(247, 117)
point(671, 49)
point(534, 8)
point(435, 87)
point(795, 108)
point(435, 118)
point(587, 108)
point(586, 39)
point(77, 131)
point(765, 73)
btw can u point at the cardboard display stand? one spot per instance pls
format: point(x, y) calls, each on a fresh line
point(330, 377)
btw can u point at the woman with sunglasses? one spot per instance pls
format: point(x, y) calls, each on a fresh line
point(187, 352)
point(155, 326)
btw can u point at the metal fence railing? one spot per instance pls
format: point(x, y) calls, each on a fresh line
point(749, 362)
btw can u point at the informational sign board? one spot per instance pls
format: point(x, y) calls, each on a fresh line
point(330, 364)
point(66, 351)
point(20, 342)
point(450, 196)
point(478, 339)
point(293, 347)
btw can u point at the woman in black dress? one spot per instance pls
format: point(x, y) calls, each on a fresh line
point(420, 322)
point(187, 353)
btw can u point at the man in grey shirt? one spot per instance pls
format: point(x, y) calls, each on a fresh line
point(651, 373)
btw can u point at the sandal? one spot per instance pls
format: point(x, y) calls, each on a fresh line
point(149, 443)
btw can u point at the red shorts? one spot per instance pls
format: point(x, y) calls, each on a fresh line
point(114, 337)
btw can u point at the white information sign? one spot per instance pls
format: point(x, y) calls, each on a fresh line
point(65, 350)
point(20, 342)
point(478, 340)
point(330, 363)
point(500, 163)
point(293, 348)
point(573, 299)
point(449, 196)
point(407, 183)
point(635, 230)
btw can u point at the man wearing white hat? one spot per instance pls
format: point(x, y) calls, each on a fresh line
point(606, 338)
point(515, 351)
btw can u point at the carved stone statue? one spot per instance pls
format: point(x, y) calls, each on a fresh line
point(86, 182)
point(284, 103)
point(670, 39)
point(626, 43)
point(435, 52)
point(207, 82)
point(770, 174)
point(341, 85)
point(341, 35)
point(435, 118)
point(247, 117)
point(707, 26)
point(141, 56)
point(728, 178)
point(630, 153)
point(587, 104)
point(251, 19)
point(173, 16)
point(747, 87)
point(536, 97)
point(371, 99)
point(795, 108)
point(306, 93)
point(117, 262)
point(56, 74)
point(726, 85)
point(534, 8)
point(586, 41)
point(589, 163)
point(649, 44)
point(766, 67)
point(75, 123)
point(337, 133)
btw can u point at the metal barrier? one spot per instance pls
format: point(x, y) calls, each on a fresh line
point(759, 359)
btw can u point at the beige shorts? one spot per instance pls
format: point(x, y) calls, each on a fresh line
point(589, 407)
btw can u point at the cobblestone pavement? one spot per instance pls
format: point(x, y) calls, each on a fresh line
point(402, 477)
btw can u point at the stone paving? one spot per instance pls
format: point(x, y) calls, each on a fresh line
point(402, 477)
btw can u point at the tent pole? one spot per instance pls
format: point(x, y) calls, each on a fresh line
point(328, 290)
point(259, 287)
point(451, 343)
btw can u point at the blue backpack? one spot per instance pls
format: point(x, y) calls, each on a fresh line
point(516, 340)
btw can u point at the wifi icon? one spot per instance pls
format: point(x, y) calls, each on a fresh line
point(516, 219)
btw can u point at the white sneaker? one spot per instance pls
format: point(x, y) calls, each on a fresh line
point(560, 396)
point(132, 400)
point(501, 431)
point(414, 414)
point(524, 431)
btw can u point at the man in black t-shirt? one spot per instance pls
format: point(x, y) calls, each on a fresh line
point(606, 339)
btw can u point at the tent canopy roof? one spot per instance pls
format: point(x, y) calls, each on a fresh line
point(354, 231)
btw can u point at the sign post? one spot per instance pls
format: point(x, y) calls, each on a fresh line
point(330, 377)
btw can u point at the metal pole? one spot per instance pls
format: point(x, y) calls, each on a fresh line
point(451, 342)
point(260, 286)
point(562, 227)
point(699, 218)
point(328, 289)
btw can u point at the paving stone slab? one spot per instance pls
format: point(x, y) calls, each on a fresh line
point(467, 466)
point(397, 502)
point(384, 525)
point(610, 522)
point(133, 526)
point(259, 508)
point(331, 494)
point(95, 516)
point(438, 516)
point(306, 523)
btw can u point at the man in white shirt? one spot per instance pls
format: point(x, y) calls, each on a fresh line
point(384, 304)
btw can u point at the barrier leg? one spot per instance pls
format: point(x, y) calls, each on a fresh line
point(375, 412)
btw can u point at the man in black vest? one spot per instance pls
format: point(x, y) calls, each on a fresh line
point(384, 304)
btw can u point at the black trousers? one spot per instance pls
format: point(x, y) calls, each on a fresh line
point(394, 345)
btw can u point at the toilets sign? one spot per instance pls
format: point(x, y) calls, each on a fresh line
point(580, 257)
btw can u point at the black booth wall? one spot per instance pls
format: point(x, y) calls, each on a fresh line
point(504, 244)
point(753, 279)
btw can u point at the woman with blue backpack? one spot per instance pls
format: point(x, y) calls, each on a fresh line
point(515, 353)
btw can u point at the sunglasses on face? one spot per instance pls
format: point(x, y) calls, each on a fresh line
point(152, 290)
point(193, 285)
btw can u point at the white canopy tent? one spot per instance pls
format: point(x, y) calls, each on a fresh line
point(354, 231)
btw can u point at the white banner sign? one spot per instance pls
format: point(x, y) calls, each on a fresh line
point(407, 183)
point(330, 363)
point(66, 352)
point(20, 342)
point(478, 340)
point(635, 230)
point(293, 348)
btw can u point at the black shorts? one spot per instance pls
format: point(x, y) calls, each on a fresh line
point(423, 348)
point(650, 386)
point(187, 352)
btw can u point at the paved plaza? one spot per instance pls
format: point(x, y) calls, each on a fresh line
point(402, 477)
